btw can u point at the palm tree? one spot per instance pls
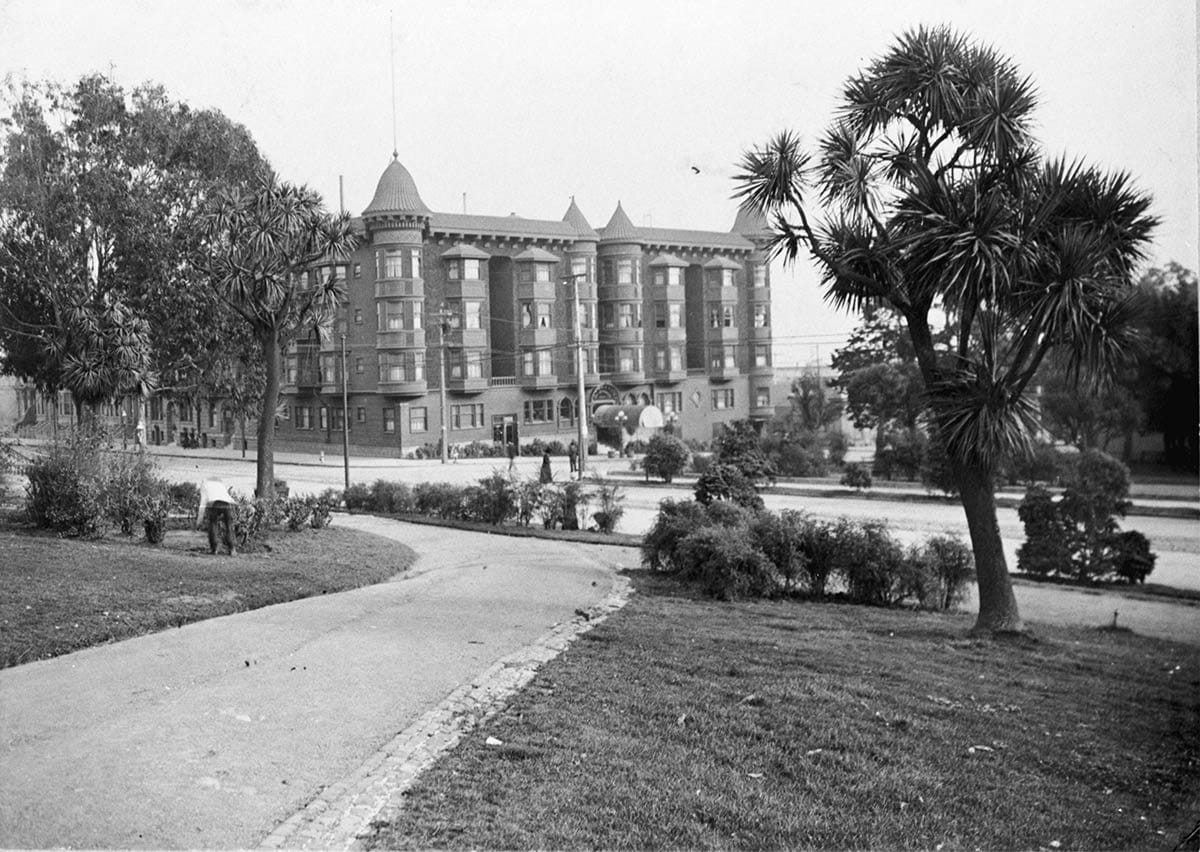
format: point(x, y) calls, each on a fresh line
point(262, 241)
point(936, 202)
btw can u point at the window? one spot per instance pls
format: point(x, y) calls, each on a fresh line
point(414, 263)
point(212, 416)
point(587, 315)
point(535, 315)
point(400, 316)
point(670, 402)
point(625, 271)
point(358, 270)
point(762, 397)
point(291, 369)
point(606, 273)
point(566, 410)
point(760, 275)
point(590, 357)
point(329, 370)
point(472, 312)
point(582, 266)
point(339, 419)
point(303, 416)
point(721, 316)
point(722, 399)
point(608, 316)
point(358, 366)
point(537, 362)
point(762, 315)
point(358, 316)
point(465, 364)
point(468, 416)
point(402, 367)
point(464, 268)
point(539, 411)
point(670, 276)
point(629, 315)
point(287, 413)
point(762, 355)
point(389, 420)
point(722, 358)
point(629, 360)
point(418, 419)
point(668, 314)
point(323, 417)
point(389, 263)
point(727, 278)
point(541, 272)
point(668, 358)
point(360, 415)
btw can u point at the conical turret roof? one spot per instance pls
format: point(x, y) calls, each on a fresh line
point(575, 218)
point(396, 193)
point(619, 229)
point(750, 223)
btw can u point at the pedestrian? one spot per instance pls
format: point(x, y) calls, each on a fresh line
point(216, 507)
point(545, 474)
point(512, 456)
point(321, 457)
point(573, 456)
point(454, 453)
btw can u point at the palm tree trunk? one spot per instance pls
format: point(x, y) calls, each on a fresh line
point(265, 481)
point(997, 604)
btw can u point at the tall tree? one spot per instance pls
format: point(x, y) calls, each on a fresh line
point(100, 196)
point(263, 241)
point(936, 203)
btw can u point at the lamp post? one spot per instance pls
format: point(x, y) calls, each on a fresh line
point(345, 419)
point(581, 405)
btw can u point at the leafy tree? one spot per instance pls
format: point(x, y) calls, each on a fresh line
point(739, 446)
point(937, 204)
point(810, 407)
point(1084, 418)
point(877, 369)
point(261, 241)
point(1168, 371)
point(101, 190)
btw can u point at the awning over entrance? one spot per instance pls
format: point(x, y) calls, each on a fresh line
point(636, 417)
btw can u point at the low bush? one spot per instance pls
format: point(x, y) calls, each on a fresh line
point(701, 461)
point(666, 457)
point(321, 508)
point(799, 460)
point(856, 476)
point(727, 482)
point(184, 497)
point(872, 563)
point(939, 571)
point(438, 499)
point(491, 501)
point(675, 520)
point(819, 544)
point(65, 492)
point(359, 498)
point(724, 562)
point(781, 539)
point(297, 513)
point(1045, 551)
point(608, 501)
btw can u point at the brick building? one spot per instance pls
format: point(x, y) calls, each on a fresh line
point(675, 328)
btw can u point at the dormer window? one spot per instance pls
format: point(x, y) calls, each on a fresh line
point(463, 268)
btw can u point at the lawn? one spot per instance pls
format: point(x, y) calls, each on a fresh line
point(61, 595)
point(686, 723)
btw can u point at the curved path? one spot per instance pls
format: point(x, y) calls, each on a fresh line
point(215, 734)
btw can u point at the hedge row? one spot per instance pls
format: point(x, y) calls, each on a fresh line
point(497, 499)
point(734, 552)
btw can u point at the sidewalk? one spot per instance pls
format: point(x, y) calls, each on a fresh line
point(217, 734)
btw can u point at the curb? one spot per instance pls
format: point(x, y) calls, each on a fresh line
point(341, 814)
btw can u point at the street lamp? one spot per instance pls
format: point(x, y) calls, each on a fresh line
point(581, 406)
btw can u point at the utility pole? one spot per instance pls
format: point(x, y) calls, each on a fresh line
point(345, 417)
point(581, 406)
point(443, 316)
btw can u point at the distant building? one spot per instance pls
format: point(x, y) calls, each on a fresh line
point(676, 324)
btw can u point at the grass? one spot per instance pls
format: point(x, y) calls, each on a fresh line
point(686, 723)
point(61, 595)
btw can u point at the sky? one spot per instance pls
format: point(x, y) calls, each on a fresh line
point(515, 106)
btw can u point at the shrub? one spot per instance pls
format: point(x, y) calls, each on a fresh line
point(936, 471)
point(608, 502)
point(492, 500)
point(819, 545)
point(128, 480)
point(153, 512)
point(1045, 550)
point(332, 497)
point(66, 489)
point(781, 539)
point(725, 564)
point(575, 499)
point(321, 508)
point(527, 495)
point(1045, 463)
point(701, 461)
point(838, 445)
point(1132, 558)
point(438, 499)
point(940, 570)
point(297, 512)
point(184, 497)
point(799, 459)
point(903, 454)
point(727, 482)
point(253, 519)
point(1097, 486)
point(872, 563)
point(739, 446)
point(728, 515)
point(675, 520)
point(856, 476)
point(666, 457)
point(359, 497)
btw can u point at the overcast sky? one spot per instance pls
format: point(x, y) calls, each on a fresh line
point(522, 104)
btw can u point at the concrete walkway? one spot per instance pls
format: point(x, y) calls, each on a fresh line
point(218, 733)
